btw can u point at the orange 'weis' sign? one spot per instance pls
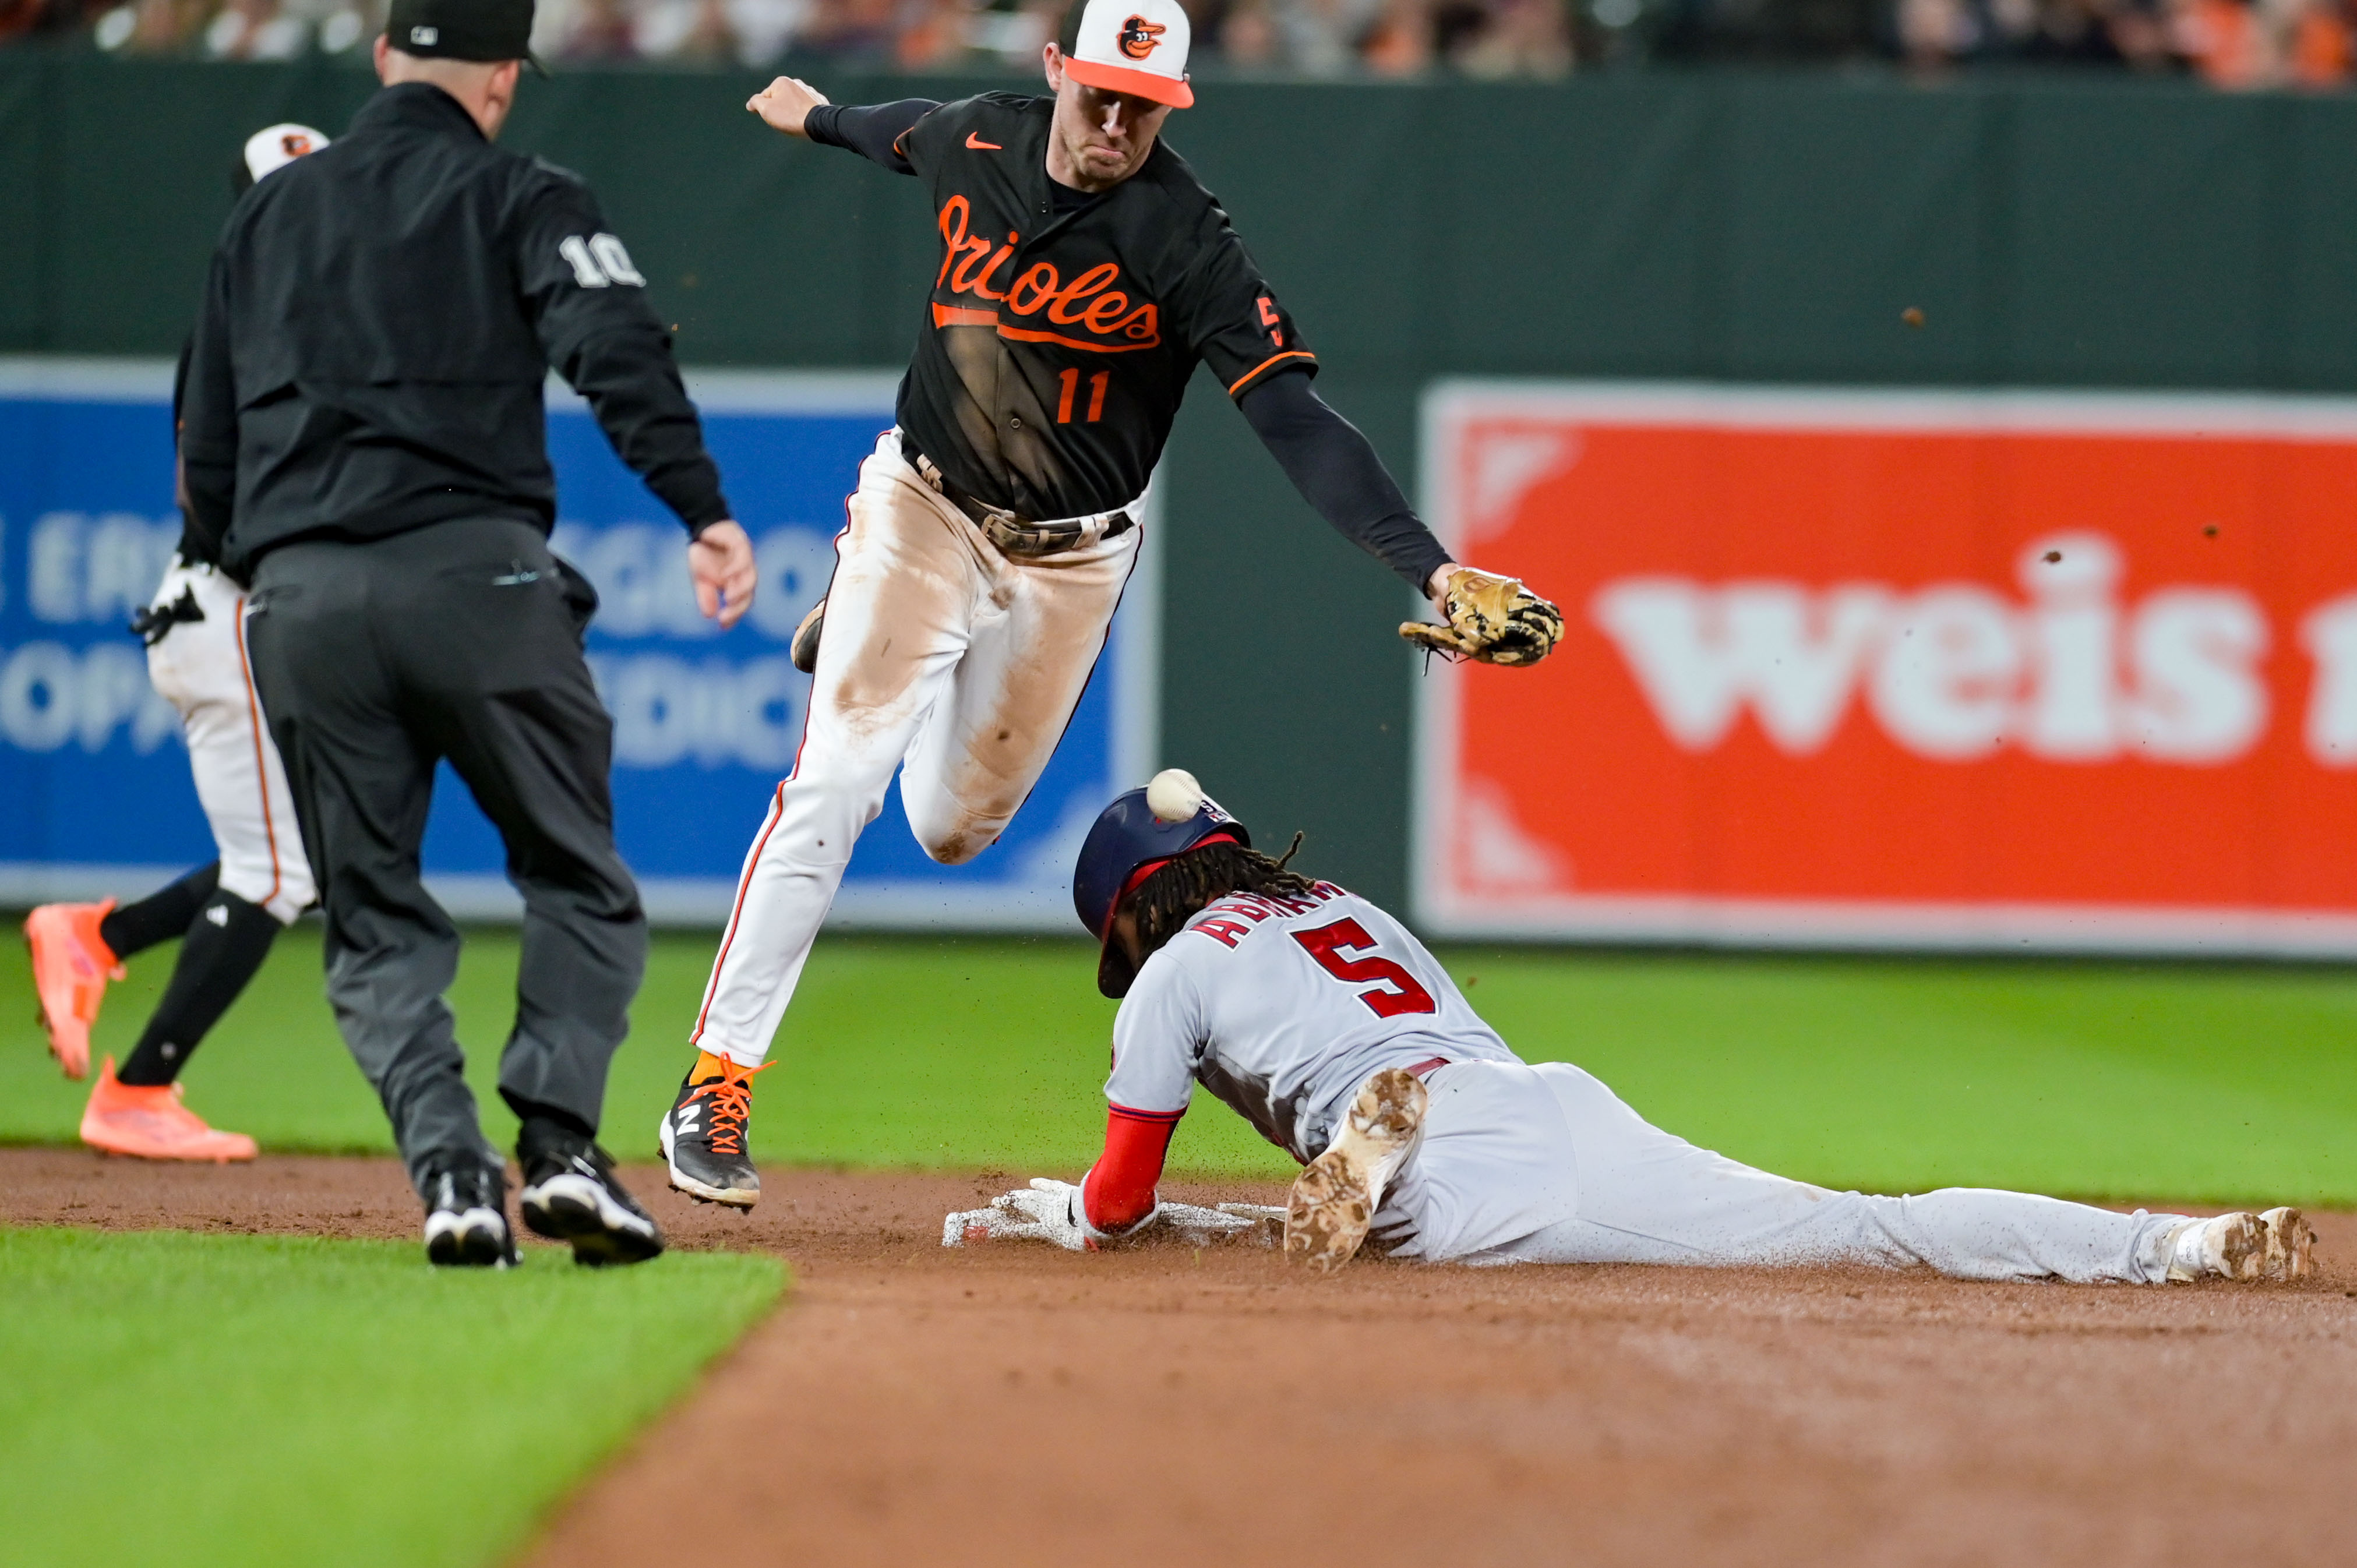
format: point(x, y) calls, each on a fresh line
point(1900, 669)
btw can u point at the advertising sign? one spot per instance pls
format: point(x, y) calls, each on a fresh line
point(2004, 671)
point(95, 782)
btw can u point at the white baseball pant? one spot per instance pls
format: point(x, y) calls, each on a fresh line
point(940, 653)
point(201, 668)
point(1545, 1164)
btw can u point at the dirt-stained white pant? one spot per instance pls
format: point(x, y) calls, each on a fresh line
point(1545, 1164)
point(942, 652)
point(201, 668)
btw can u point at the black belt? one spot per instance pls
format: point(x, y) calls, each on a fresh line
point(1015, 534)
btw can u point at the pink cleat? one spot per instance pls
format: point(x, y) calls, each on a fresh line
point(71, 964)
point(150, 1123)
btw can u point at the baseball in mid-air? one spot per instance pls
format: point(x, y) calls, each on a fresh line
point(1173, 795)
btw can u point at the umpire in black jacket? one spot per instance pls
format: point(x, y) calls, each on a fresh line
point(364, 436)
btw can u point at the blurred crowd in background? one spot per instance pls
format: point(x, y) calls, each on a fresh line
point(2232, 44)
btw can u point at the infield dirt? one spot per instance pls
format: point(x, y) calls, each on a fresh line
point(1011, 1405)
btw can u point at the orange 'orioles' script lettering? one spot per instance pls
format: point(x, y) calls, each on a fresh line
point(1089, 302)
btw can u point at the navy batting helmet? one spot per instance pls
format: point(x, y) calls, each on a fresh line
point(1128, 843)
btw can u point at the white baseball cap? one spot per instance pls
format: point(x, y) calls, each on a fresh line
point(1134, 45)
point(274, 147)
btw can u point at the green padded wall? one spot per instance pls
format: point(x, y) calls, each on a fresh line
point(2054, 231)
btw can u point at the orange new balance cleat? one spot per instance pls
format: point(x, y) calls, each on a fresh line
point(703, 1135)
point(151, 1124)
point(71, 964)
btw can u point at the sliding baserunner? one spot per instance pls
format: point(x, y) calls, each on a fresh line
point(1084, 274)
point(1330, 1028)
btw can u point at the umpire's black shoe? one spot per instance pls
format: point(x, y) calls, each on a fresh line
point(570, 1195)
point(703, 1134)
point(466, 1219)
point(802, 651)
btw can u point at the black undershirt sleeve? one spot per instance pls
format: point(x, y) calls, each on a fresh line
point(872, 131)
point(195, 547)
point(1337, 472)
point(207, 424)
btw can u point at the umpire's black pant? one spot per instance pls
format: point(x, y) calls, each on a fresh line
point(376, 661)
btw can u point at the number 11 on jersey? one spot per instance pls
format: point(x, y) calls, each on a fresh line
point(1071, 380)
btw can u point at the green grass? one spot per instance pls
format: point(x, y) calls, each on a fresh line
point(2185, 1080)
point(185, 1401)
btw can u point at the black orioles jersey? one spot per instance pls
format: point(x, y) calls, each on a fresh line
point(1061, 331)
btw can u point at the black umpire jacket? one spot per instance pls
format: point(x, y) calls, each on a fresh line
point(378, 327)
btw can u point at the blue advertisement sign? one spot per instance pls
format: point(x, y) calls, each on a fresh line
point(95, 789)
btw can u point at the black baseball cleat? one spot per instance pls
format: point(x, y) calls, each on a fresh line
point(466, 1219)
point(802, 651)
point(570, 1195)
point(703, 1134)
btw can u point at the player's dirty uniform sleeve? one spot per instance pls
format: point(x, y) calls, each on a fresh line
point(877, 132)
point(588, 305)
point(1157, 1039)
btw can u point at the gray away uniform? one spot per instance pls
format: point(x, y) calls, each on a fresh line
point(1284, 1007)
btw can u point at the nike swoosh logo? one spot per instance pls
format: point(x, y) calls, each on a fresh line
point(974, 140)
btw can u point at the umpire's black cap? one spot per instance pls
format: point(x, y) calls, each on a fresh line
point(462, 29)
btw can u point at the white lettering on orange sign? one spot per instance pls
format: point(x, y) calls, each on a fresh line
point(1955, 671)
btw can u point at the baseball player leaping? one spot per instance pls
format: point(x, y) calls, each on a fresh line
point(228, 913)
point(1084, 274)
point(1331, 1029)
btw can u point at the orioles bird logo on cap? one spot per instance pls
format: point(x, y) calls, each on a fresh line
point(1139, 37)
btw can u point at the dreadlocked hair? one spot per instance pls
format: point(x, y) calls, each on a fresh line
point(1178, 891)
